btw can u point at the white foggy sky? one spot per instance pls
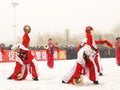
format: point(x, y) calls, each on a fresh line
point(57, 15)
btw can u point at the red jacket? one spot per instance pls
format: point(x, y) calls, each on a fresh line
point(89, 39)
point(29, 57)
point(26, 40)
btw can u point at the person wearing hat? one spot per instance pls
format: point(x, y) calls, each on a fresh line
point(117, 49)
point(90, 30)
point(84, 61)
point(26, 38)
point(24, 59)
point(90, 41)
point(97, 59)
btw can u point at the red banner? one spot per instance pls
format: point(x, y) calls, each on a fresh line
point(40, 55)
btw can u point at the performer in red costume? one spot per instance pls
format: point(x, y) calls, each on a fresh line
point(117, 48)
point(26, 38)
point(50, 52)
point(85, 60)
point(2, 52)
point(94, 47)
point(24, 59)
point(1, 49)
point(97, 57)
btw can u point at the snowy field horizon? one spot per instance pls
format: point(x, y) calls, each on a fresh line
point(50, 79)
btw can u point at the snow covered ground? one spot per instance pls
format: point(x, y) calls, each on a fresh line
point(50, 79)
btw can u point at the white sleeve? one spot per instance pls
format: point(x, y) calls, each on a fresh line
point(80, 59)
point(19, 60)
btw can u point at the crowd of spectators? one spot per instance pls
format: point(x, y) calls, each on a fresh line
point(71, 53)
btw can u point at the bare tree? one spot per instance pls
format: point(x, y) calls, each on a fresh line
point(116, 30)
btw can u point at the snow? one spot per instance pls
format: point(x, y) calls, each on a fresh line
point(50, 79)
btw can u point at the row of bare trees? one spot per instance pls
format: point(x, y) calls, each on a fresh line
point(65, 39)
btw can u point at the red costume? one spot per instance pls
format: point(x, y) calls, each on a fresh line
point(85, 61)
point(93, 44)
point(22, 66)
point(117, 48)
point(26, 40)
point(50, 55)
point(24, 61)
point(2, 51)
point(97, 57)
point(82, 63)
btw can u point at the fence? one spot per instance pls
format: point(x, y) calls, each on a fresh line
point(104, 53)
point(40, 55)
point(68, 53)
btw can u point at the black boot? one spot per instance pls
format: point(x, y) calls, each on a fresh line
point(118, 64)
point(35, 79)
point(100, 74)
point(9, 78)
point(63, 81)
point(96, 82)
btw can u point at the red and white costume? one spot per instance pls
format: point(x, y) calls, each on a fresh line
point(97, 57)
point(26, 40)
point(23, 65)
point(88, 65)
point(50, 54)
point(117, 48)
point(82, 64)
